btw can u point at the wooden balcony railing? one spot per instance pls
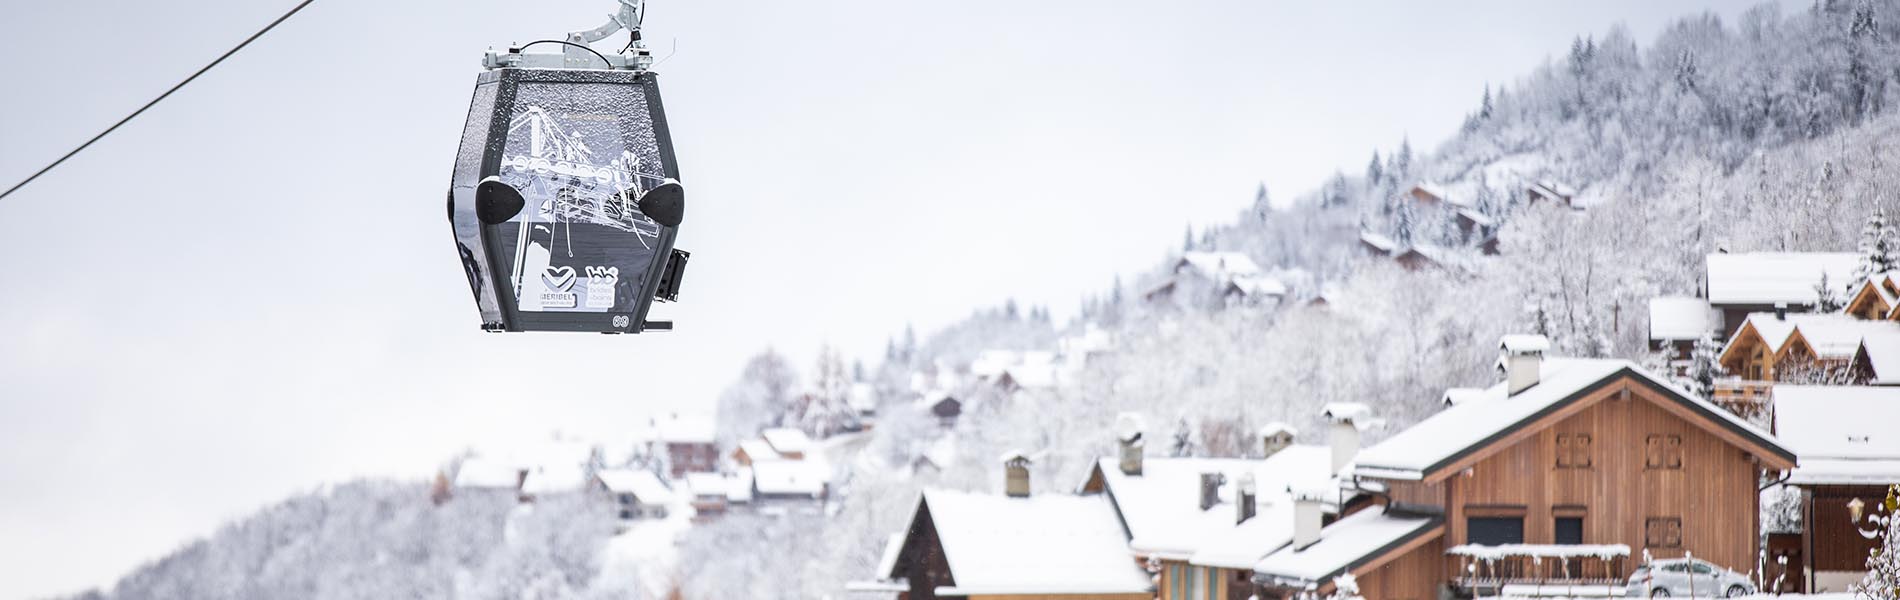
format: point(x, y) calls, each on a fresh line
point(1488, 569)
point(1743, 397)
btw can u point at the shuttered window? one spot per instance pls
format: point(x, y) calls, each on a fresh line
point(1573, 451)
point(1568, 530)
point(1662, 452)
point(1494, 531)
point(1662, 532)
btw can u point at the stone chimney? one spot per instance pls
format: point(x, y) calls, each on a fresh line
point(1309, 509)
point(1244, 498)
point(1523, 357)
point(1015, 475)
point(1210, 489)
point(1128, 428)
point(1343, 432)
point(1276, 436)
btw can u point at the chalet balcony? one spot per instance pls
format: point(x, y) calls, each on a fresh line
point(1743, 397)
point(1534, 570)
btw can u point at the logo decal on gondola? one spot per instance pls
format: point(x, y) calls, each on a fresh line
point(600, 286)
point(558, 281)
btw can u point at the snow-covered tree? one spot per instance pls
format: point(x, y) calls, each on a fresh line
point(1879, 247)
point(1883, 562)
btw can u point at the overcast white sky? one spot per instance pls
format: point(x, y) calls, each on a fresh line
point(251, 290)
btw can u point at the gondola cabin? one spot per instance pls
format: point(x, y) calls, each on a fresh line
point(565, 199)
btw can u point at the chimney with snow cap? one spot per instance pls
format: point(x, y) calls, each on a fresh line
point(1244, 498)
point(1210, 489)
point(1523, 358)
point(1015, 474)
point(1343, 434)
point(1128, 428)
point(1276, 436)
point(1309, 510)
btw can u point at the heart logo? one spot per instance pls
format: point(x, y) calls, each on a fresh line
point(559, 279)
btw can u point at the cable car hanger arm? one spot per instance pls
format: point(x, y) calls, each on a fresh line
point(577, 55)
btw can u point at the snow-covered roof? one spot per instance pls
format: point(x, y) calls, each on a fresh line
point(1766, 278)
point(1883, 356)
point(1129, 425)
point(686, 430)
point(739, 487)
point(1259, 285)
point(1380, 242)
point(1346, 412)
point(786, 440)
point(1456, 396)
point(1476, 217)
point(1047, 544)
point(1519, 343)
point(1470, 425)
point(1843, 435)
point(1348, 542)
point(554, 479)
point(642, 484)
point(1244, 544)
point(1673, 318)
point(757, 449)
point(1277, 427)
point(1219, 265)
point(1162, 505)
point(863, 397)
point(1839, 336)
point(887, 560)
point(485, 473)
point(708, 484)
point(790, 477)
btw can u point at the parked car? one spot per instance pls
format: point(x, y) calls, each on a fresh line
point(1687, 577)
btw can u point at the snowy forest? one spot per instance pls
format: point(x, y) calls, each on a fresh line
point(1770, 132)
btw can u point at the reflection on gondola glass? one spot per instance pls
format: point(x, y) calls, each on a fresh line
point(579, 245)
point(468, 229)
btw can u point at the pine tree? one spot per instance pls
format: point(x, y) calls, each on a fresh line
point(1826, 298)
point(1375, 171)
point(1262, 204)
point(1336, 190)
point(1187, 239)
point(1405, 224)
point(1402, 162)
point(1879, 248)
point(1484, 106)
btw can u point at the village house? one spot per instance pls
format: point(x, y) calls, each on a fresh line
point(1218, 279)
point(1567, 472)
point(1826, 348)
point(1848, 447)
point(944, 407)
point(636, 494)
point(1204, 522)
point(715, 494)
point(1676, 323)
point(787, 443)
point(1552, 192)
point(690, 443)
point(1014, 546)
point(790, 482)
point(1738, 284)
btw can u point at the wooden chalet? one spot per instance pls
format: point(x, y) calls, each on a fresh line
point(1849, 454)
point(635, 494)
point(1562, 475)
point(1552, 192)
point(1676, 323)
point(1834, 348)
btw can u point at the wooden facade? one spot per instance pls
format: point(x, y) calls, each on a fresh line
point(1832, 545)
point(1635, 465)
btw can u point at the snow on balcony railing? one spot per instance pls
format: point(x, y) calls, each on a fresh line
point(1601, 551)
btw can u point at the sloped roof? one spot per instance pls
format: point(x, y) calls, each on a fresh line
point(644, 485)
point(1378, 241)
point(1161, 507)
point(1347, 543)
point(1883, 357)
point(1674, 318)
point(1467, 427)
point(1838, 336)
point(1259, 285)
point(1219, 265)
point(1047, 544)
point(786, 440)
point(1767, 278)
point(780, 477)
point(1843, 434)
point(758, 449)
point(485, 473)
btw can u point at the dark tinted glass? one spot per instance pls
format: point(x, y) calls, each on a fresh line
point(1569, 530)
point(1494, 531)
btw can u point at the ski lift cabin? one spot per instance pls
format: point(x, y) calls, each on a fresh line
point(565, 199)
